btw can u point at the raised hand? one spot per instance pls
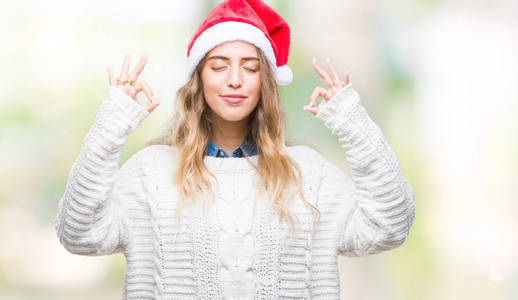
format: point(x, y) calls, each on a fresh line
point(126, 83)
point(334, 84)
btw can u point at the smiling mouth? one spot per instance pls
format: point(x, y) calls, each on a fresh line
point(234, 100)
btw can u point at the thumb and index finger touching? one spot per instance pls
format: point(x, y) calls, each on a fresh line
point(333, 83)
point(127, 83)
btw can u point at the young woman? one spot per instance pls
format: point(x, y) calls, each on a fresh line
point(219, 207)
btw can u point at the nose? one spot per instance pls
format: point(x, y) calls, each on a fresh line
point(234, 79)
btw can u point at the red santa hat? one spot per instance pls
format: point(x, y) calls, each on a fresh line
point(252, 21)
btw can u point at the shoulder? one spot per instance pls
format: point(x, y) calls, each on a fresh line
point(301, 152)
point(305, 156)
point(150, 155)
point(154, 150)
point(311, 160)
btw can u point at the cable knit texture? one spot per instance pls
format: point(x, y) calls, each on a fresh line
point(233, 251)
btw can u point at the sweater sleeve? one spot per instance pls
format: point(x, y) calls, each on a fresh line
point(91, 218)
point(376, 205)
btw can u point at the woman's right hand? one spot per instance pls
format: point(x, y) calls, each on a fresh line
point(126, 83)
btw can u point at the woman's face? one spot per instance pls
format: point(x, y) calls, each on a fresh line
point(232, 69)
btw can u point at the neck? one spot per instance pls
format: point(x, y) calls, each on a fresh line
point(229, 134)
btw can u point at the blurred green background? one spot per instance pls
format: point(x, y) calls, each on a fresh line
point(440, 78)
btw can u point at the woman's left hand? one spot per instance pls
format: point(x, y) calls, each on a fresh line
point(334, 84)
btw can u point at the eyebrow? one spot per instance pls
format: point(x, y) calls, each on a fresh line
point(226, 58)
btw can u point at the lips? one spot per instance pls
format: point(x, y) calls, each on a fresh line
point(233, 99)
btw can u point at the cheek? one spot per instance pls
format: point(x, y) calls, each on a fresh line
point(254, 84)
point(257, 87)
point(211, 88)
point(211, 84)
point(257, 95)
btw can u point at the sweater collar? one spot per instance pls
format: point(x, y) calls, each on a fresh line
point(231, 164)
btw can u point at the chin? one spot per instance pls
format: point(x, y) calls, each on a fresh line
point(233, 118)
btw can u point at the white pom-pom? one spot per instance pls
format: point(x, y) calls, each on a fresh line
point(284, 75)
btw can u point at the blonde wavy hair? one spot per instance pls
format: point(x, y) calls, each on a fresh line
point(190, 128)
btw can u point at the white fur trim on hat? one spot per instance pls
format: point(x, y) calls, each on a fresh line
point(284, 75)
point(231, 31)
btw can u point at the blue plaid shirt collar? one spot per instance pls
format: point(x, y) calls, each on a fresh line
point(248, 146)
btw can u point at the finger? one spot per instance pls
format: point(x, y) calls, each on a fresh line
point(336, 78)
point(110, 76)
point(313, 97)
point(153, 102)
point(322, 73)
point(311, 109)
point(125, 68)
point(142, 86)
point(346, 78)
point(151, 106)
point(138, 69)
point(318, 91)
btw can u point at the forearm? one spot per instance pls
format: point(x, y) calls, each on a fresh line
point(385, 204)
point(86, 219)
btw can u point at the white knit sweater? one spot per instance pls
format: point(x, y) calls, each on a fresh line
point(233, 253)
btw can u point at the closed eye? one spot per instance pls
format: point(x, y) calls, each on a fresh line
point(219, 68)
